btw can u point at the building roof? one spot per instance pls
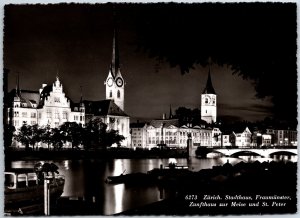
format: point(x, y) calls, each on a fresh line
point(209, 89)
point(44, 94)
point(164, 122)
point(138, 125)
point(103, 108)
point(26, 96)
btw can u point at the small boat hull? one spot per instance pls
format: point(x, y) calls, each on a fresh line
point(30, 200)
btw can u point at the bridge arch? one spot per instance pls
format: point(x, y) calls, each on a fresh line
point(283, 153)
point(245, 152)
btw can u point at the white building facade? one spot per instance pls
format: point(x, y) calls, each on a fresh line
point(49, 106)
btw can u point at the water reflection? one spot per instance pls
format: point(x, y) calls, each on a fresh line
point(114, 203)
point(85, 178)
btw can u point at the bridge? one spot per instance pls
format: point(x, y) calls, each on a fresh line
point(263, 152)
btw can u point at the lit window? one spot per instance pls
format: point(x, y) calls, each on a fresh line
point(64, 115)
point(48, 114)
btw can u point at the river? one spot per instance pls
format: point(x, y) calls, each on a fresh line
point(85, 178)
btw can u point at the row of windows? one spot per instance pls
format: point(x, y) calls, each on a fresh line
point(24, 114)
point(118, 94)
point(81, 118)
point(56, 114)
point(17, 122)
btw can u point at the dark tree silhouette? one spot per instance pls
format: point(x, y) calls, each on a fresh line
point(96, 135)
point(47, 135)
point(188, 116)
point(73, 133)
point(28, 135)
point(9, 131)
point(257, 41)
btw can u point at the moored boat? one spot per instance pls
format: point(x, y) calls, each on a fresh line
point(24, 190)
point(128, 178)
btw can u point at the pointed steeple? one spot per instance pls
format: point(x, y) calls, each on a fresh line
point(209, 89)
point(18, 91)
point(115, 62)
point(170, 115)
point(81, 100)
point(81, 103)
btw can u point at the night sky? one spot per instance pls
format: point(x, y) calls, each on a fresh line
point(164, 54)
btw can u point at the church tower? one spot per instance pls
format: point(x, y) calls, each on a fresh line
point(209, 102)
point(114, 82)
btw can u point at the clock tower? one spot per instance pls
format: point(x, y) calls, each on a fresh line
point(209, 102)
point(114, 82)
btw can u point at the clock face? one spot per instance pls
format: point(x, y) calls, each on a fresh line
point(207, 99)
point(110, 82)
point(119, 82)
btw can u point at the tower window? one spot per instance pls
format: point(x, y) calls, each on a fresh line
point(206, 111)
point(206, 100)
point(110, 94)
point(118, 94)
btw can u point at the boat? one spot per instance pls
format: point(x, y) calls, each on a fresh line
point(24, 190)
point(137, 178)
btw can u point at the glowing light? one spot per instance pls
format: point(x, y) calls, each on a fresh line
point(66, 164)
point(118, 168)
point(172, 161)
point(118, 194)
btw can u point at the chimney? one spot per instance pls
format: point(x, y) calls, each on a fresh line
point(164, 116)
point(43, 86)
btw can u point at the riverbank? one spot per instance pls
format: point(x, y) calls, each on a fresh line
point(245, 188)
point(112, 153)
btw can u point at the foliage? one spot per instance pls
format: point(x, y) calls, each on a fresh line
point(94, 136)
point(29, 135)
point(188, 116)
point(47, 135)
point(9, 131)
point(72, 132)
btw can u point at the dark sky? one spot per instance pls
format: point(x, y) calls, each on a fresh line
point(75, 41)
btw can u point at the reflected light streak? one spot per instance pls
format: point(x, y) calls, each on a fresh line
point(118, 170)
point(118, 194)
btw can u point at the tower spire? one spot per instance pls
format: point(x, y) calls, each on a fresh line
point(115, 63)
point(209, 89)
point(81, 94)
point(18, 84)
point(170, 115)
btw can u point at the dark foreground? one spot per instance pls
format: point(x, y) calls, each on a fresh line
point(245, 188)
point(112, 153)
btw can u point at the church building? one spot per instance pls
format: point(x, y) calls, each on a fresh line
point(111, 110)
point(209, 102)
